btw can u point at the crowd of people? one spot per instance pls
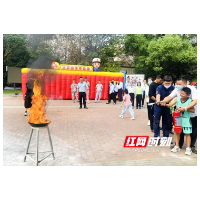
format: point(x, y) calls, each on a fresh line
point(163, 97)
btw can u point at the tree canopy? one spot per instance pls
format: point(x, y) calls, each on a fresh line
point(150, 54)
point(173, 54)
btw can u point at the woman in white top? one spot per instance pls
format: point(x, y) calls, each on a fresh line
point(131, 91)
point(144, 91)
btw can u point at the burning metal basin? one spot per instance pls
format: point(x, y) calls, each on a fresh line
point(39, 125)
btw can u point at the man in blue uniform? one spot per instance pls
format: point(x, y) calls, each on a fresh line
point(162, 91)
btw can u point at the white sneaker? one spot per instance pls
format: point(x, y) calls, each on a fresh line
point(121, 116)
point(132, 118)
point(188, 151)
point(25, 114)
point(148, 124)
point(175, 149)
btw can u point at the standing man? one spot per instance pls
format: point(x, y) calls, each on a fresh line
point(128, 83)
point(152, 97)
point(180, 84)
point(115, 85)
point(87, 90)
point(147, 99)
point(112, 93)
point(120, 91)
point(162, 91)
point(81, 88)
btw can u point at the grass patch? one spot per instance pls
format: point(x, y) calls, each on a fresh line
point(12, 91)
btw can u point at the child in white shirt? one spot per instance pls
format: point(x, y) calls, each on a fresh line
point(99, 88)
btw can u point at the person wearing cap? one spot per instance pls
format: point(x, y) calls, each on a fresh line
point(194, 84)
point(96, 64)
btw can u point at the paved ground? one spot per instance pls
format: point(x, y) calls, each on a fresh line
point(83, 137)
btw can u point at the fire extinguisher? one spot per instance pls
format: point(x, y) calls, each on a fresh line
point(177, 122)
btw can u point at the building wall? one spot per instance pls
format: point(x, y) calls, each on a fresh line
point(129, 70)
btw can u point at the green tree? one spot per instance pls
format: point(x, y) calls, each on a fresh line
point(172, 55)
point(109, 52)
point(175, 55)
point(15, 52)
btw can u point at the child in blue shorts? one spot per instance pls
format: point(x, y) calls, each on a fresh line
point(186, 124)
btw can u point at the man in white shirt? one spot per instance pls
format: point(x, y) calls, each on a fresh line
point(112, 93)
point(128, 83)
point(120, 87)
point(193, 116)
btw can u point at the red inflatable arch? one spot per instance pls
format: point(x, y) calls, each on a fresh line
point(56, 83)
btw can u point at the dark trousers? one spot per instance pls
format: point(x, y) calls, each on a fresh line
point(148, 111)
point(112, 96)
point(193, 135)
point(116, 95)
point(120, 94)
point(151, 115)
point(165, 113)
point(132, 98)
point(171, 122)
point(143, 98)
point(138, 100)
point(82, 96)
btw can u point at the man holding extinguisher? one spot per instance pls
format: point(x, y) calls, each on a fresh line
point(162, 91)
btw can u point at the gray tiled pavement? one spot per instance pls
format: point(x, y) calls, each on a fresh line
point(92, 137)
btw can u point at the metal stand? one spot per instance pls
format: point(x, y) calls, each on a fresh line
point(37, 145)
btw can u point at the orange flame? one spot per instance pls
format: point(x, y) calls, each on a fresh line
point(37, 111)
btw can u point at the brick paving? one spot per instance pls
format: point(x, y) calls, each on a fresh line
point(92, 137)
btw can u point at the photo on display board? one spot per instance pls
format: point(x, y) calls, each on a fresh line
point(135, 78)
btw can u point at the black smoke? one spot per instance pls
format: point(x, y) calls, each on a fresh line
point(41, 62)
